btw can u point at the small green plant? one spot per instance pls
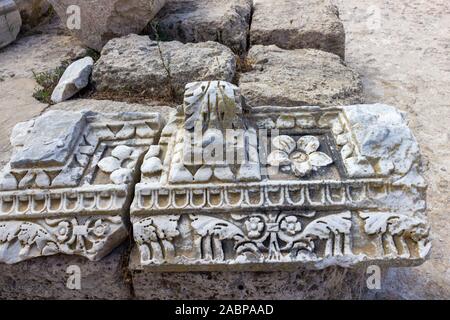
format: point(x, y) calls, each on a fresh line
point(47, 82)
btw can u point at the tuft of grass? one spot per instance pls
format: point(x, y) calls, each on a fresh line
point(47, 82)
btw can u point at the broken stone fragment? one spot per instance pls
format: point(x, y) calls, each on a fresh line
point(75, 78)
point(219, 214)
point(145, 67)
point(293, 24)
point(10, 22)
point(96, 22)
point(299, 77)
point(61, 193)
point(223, 21)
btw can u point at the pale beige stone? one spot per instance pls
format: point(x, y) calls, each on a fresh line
point(293, 24)
point(298, 77)
point(102, 20)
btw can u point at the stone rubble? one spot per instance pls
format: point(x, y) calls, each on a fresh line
point(75, 78)
point(102, 20)
point(135, 64)
point(293, 24)
point(10, 22)
point(298, 77)
point(223, 21)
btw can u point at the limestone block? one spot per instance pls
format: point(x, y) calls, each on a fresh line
point(299, 77)
point(223, 21)
point(32, 11)
point(139, 65)
point(293, 24)
point(75, 78)
point(55, 194)
point(10, 22)
point(102, 20)
point(301, 205)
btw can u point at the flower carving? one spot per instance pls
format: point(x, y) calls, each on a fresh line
point(63, 231)
point(254, 227)
point(291, 225)
point(120, 164)
point(100, 228)
point(299, 157)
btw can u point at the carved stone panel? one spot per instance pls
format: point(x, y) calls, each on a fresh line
point(233, 187)
point(70, 181)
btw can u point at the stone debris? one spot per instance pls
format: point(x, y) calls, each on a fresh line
point(55, 194)
point(302, 203)
point(293, 24)
point(223, 21)
point(10, 22)
point(135, 64)
point(298, 77)
point(102, 20)
point(75, 78)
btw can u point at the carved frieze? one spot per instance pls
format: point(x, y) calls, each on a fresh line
point(234, 187)
point(69, 183)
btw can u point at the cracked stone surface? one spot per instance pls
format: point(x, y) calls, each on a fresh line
point(134, 64)
point(103, 20)
point(32, 11)
point(298, 77)
point(292, 24)
point(223, 21)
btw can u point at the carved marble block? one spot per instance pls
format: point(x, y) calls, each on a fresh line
point(236, 188)
point(69, 184)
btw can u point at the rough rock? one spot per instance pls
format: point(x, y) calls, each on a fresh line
point(293, 24)
point(10, 22)
point(32, 11)
point(75, 78)
point(47, 278)
point(223, 21)
point(299, 77)
point(135, 64)
point(331, 283)
point(103, 20)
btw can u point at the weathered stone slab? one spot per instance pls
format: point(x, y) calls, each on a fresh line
point(299, 77)
point(47, 278)
point(10, 22)
point(102, 20)
point(293, 24)
point(270, 188)
point(139, 65)
point(75, 78)
point(72, 195)
point(223, 21)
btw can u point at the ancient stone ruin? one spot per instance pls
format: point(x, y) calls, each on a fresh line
point(221, 185)
point(268, 161)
